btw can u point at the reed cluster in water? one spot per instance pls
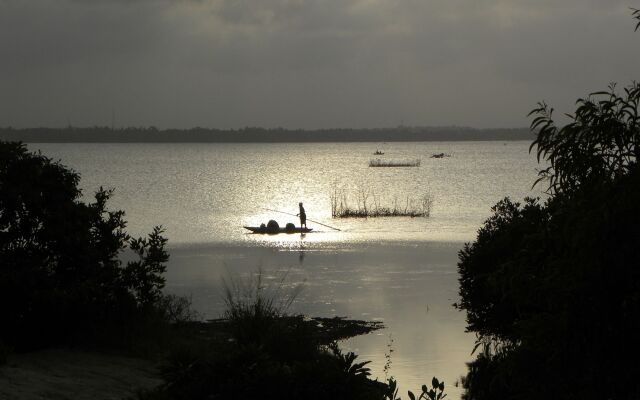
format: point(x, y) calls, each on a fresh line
point(363, 203)
point(377, 162)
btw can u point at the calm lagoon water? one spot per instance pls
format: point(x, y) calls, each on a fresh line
point(398, 270)
point(204, 193)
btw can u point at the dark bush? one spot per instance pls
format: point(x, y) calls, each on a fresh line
point(553, 290)
point(286, 361)
point(60, 272)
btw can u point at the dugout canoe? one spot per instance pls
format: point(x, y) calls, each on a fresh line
point(272, 231)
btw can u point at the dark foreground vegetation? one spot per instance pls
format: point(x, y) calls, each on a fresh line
point(258, 351)
point(552, 290)
point(63, 283)
point(61, 279)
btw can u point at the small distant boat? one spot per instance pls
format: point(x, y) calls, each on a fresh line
point(440, 155)
point(275, 231)
point(378, 153)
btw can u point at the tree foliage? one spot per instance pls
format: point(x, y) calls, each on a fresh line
point(552, 291)
point(601, 142)
point(60, 271)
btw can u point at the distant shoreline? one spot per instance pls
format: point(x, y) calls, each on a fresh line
point(260, 135)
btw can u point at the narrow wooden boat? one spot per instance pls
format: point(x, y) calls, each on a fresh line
point(275, 231)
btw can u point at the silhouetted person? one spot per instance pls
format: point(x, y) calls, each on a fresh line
point(303, 216)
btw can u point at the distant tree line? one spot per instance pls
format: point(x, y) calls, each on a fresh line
point(255, 134)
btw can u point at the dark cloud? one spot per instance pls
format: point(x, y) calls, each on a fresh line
point(305, 63)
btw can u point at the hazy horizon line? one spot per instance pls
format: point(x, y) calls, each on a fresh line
point(154, 127)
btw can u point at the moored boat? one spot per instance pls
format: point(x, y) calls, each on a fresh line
point(275, 231)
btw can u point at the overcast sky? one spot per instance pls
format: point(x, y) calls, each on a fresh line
point(306, 63)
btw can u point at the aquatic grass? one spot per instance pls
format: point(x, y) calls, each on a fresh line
point(252, 295)
point(254, 307)
point(377, 162)
point(368, 205)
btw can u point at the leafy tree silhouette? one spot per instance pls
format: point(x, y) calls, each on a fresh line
point(60, 271)
point(552, 290)
point(602, 141)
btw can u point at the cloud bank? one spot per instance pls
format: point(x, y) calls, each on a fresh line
point(306, 63)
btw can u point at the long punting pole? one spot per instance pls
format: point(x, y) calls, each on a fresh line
point(308, 219)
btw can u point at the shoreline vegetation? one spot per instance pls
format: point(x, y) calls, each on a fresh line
point(369, 205)
point(259, 350)
point(103, 134)
point(551, 288)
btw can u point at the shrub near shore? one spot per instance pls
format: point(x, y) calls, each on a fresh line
point(553, 290)
point(61, 278)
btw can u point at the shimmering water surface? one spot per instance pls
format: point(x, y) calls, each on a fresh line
point(204, 193)
point(398, 270)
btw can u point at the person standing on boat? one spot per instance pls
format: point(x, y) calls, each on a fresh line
point(303, 216)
